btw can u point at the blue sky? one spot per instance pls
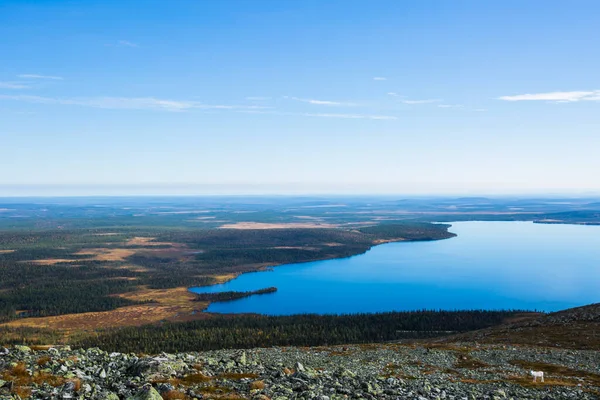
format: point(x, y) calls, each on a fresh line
point(333, 96)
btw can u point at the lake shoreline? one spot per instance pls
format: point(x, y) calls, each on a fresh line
point(508, 245)
point(223, 279)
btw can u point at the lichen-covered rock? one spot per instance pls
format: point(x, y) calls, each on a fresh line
point(353, 372)
point(147, 392)
point(23, 349)
point(172, 367)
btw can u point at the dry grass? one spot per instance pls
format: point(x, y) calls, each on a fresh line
point(103, 254)
point(76, 384)
point(168, 304)
point(43, 360)
point(133, 268)
point(172, 381)
point(174, 395)
point(201, 378)
point(383, 241)
point(51, 261)
point(6, 251)
point(580, 335)
point(257, 385)
point(196, 378)
point(209, 391)
point(38, 347)
point(146, 241)
point(22, 392)
point(22, 380)
point(17, 374)
point(224, 278)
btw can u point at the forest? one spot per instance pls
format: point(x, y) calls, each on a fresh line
point(247, 331)
point(66, 257)
point(55, 272)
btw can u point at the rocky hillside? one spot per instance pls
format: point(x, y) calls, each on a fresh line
point(574, 328)
point(393, 371)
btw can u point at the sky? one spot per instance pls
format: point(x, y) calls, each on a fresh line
point(312, 96)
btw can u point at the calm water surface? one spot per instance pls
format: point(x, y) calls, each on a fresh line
point(490, 265)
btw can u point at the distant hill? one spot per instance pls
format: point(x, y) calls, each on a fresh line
point(584, 217)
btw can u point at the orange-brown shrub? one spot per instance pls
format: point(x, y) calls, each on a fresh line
point(257, 385)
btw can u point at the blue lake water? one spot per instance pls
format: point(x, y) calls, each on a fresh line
point(489, 265)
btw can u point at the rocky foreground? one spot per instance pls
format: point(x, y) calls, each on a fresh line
point(463, 371)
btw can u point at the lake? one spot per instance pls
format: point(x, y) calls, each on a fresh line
point(489, 265)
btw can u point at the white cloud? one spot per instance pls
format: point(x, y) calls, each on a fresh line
point(321, 102)
point(126, 103)
point(13, 85)
point(426, 101)
point(561, 97)
point(393, 94)
point(380, 78)
point(324, 102)
point(36, 76)
point(125, 43)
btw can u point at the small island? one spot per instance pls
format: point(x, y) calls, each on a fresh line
point(230, 296)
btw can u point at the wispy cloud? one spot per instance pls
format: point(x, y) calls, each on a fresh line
point(320, 115)
point(126, 103)
point(126, 43)
point(156, 104)
point(36, 76)
point(425, 101)
point(379, 78)
point(394, 94)
point(561, 97)
point(450, 106)
point(350, 116)
point(13, 85)
point(321, 102)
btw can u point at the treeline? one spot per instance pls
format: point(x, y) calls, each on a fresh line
point(409, 231)
point(63, 297)
point(247, 331)
point(264, 238)
point(28, 290)
point(229, 296)
point(29, 336)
